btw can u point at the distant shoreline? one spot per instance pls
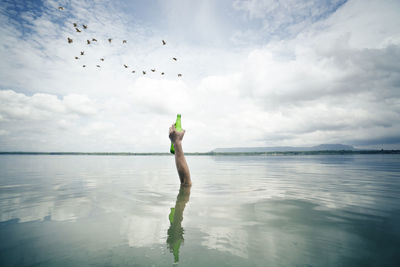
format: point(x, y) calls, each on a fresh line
point(322, 152)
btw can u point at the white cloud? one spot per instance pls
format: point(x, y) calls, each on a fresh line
point(336, 79)
point(159, 96)
point(17, 106)
point(79, 104)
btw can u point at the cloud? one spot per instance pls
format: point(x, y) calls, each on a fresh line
point(42, 121)
point(287, 17)
point(159, 96)
point(332, 83)
point(16, 106)
point(329, 74)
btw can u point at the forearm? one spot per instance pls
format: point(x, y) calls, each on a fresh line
point(181, 165)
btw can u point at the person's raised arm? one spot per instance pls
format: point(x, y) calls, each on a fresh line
point(180, 161)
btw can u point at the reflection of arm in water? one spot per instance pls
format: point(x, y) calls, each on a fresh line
point(175, 231)
point(180, 161)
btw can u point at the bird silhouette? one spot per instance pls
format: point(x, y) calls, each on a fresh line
point(153, 70)
point(88, 42)
point(162, 73)
point(84, 26)
point(69, 40)
point(60, 8)
point(174, 58)
point(75, 25)
point(102, 59)
point(77, 30)
point(124, 41)
point(94, 40)
point(164, 42)
point(82, 53)
point(144, 73)
point(76, 57)
point(109, 40)
point(179, 75)
point(84, 66)
point(133, 71)
point(98, 66)
point(126, 66)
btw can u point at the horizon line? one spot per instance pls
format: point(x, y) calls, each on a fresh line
point(305, 152)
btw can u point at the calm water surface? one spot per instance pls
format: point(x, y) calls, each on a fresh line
point(324, 210)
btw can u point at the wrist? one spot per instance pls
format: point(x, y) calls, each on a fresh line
point(178, 143)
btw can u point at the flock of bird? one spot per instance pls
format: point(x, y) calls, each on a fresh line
point(70, 40)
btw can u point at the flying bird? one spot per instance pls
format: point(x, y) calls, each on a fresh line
point(109, 40)
point(77, 30)
point(179, 75)
point(144, 73)
point(60, 8)
point(69, 40)
point(164, 42)
point(102, 59)
point(88, 42)
point(84, 66)
point(76, 57)
point(82, 53)
point(153, 70)
point(174, 58)
point(94, 40)
point(75, 25)
point(84, 26)
point(124, 41)
point(98, 66)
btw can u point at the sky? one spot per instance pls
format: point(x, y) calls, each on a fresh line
point(254, 73)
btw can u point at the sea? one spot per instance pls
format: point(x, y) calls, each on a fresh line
point(259, 210)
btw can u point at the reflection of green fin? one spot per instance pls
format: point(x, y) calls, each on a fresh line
point(171, 215)
point(176, 249)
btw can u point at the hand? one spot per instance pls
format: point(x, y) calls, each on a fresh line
point(174, 135)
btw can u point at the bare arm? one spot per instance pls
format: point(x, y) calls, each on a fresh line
point(180, 161)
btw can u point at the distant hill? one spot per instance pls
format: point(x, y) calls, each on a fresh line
point(322, 147)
